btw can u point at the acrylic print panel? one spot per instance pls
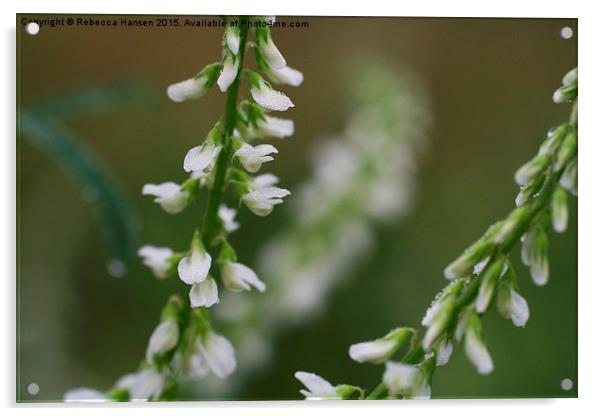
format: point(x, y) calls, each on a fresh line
point(241, 208)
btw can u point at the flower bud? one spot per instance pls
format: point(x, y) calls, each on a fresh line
point(568, 180)
point(488, 283)
point(531, 169)
point(566, 152)
point(228, 73)
point(560, 210)
point(380, 350)
point(539, 259)
point(475, 348)
point(464, 265)
point(164, 338)
point(565, 93)
point(570, 77)
point(512, 305)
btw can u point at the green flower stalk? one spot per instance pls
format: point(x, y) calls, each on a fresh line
point(484, 272)
point(185, 343)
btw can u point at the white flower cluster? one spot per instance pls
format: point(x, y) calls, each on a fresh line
point(211, 165)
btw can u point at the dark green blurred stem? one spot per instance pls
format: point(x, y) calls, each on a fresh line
point(210, 223)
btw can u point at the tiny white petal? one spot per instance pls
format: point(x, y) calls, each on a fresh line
point(317, 386)
point(168, 195)
point(157, 259)
point(237, 277)
point(272, 54)
point(201, 158)
point(233, 41)
point(144, 385)
point(286, 75)
point(271, 99)
point(194, 267)
point(477, 353)
point(519, 309)
point(265, 180)
point(227, 216)
point(219, 355)
point(373, 351)
point(444, 352)
point(187, 90)
point(253, 157)
point(261, 201)
point(228, 73)
point(276, 127)
point(204, 294)
point(399, 377)
point(164, 338)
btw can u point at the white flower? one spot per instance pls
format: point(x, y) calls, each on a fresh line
point(194, 267)
point(286, 75)
point(84, 394)
point(157, 259)
point(218, 354)
point(187, 90)
point(232, 39)
point(444, 351)
point(275, 127)
point(228, 73)
point(237, 277)
point(227, 216)
point(262, 181)
point(270, 99)
point(197, 365)
point(204, 293)
point(539, 267)
point(512, 305)
point(406, 379)
point(168, 195)
point(317, 387)
point(253, 157)
point(164, 338)
point(477, 352)
point(201, 158)
point(144, 385)
point(261, 201)
point(373, 351)
point(271, 53)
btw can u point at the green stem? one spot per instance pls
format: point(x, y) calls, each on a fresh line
point(210, 222)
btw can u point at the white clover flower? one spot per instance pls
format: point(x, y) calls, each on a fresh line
point(168, 195)
point(232, 39)
point(477, 352)
point(218, 354)
point(164, 338)
point(286, 75)
point(512, 305)
point(228, 73)
point(271, 53)
point(317, 387)
point(147, 384)
point(187, 90)
point(227, 216)
point(373, 351)
point(157, 259)
point(253, 157)
point(406, 379)
point(275, 127)
point(271, 99)
point(194, 267)
point(263, 181)
point(204, 293)
point(84, 394)
point(261, 201)
point(444, 352)
point(237, 277)
point(202, 158)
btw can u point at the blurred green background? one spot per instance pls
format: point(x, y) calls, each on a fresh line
point(490, 82)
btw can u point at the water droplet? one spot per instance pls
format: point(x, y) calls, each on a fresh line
point(566, 384)
point(33, 388)
point(566, 32)
point(116, 268)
